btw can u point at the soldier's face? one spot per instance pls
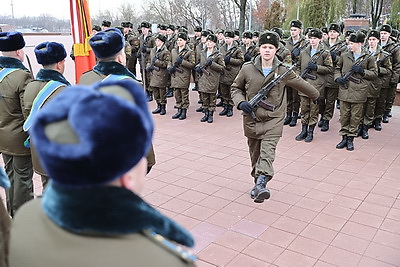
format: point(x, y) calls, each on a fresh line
point(203, 39)
point(294, 32)
point(197, 34)
point(228, 40)
point(354, 47)
point(267, 51)
point(333, 34)
point(324, 36)
point(159, 43)
point(373, 42)
point(181, 42)
point(145, 31)
point(210, 44)
point(384, 36)
point(314, 41)
point(255, 39)
point(246, 41)
point(220, 36)
point(169, 31)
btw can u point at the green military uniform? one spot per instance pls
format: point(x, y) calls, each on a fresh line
point(146, 44)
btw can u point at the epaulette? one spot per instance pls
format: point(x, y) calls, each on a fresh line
point(178, 251)
point(247, 63)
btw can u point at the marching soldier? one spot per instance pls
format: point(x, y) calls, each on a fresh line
point(282, 53)
point(170, 44)
point(199, 49)
point(194, 44)
point(262, 127)
point(221, 37)
point(160, 57)
point(325, 35)
point(14, 77)
point(106, 24)
point(183, 60)
point(210, 68)
point(233, 58)
point(249, 49)
point(134, 44)
point(49, 82)
point(295, 43)
point(394, 49)
point(313, 65)
point(353, 90)
point(147, 42)
point(256, 35)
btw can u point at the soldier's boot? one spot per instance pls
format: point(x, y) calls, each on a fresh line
point(342, 143)
point(170, 92)
point(295, 117)
point(183, 114)
point(205, 117)
point(261, 192)
point(385, 118)
point(390, 113)
point(364, 133)
point(288, 118)
point(252, 192)
point(229, 113)
point(325, 126)
point(149, 95)
point(220, 103)
point(321, 122)
point(350, 143)
point(378, 125)
point(157, 110)
point(210, 118)
point(196, 87)
point(224, 111)
point(359, 130)
point(303, 134)
point(200, 109)
point(337, 104)
point(177, 114)
point(310, 134)
point(163, 109)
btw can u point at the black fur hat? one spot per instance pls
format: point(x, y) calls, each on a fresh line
point(386, 28)
point(205, 33)
point(107, 43)
point(172, 27)
point(247, 34)
point(106, 23)
point(198, 29)
point(96, 28)
point(374, 33)
point(212, 37)
point(315, 33)
point(11, 41)
point(269, 37)
point(161, 37)
point(334, 27)
point(236, 32)
point(278, 31)
point(125, 24)
point(256, 34)
point(324, 30)
point(183, 36)
point(348, 32)
point(229, 33)
point(145, 24)
point(49, 53)
point(297, 24)
point(357, 37)
point(162, 27)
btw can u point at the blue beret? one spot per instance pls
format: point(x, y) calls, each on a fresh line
point(11, 41)
point(92, 135)
point(107, 43)
point(49, 53)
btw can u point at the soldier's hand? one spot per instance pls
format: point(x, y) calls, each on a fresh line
point(333, 55)
point(340, 80)
point(179, 60)
point(312, 66)
point(296, 52)
point(393, 84)
point(227, 59)
point(208, 62)
point(138, 55)
point(198, 70)
point(144, 49)
point(247, 57)
point(246, 107)
point(149, 69)
point(358, 69)
point(171, 69)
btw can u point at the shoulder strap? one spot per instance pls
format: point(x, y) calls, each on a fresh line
point(4, 72)
point(114, 77)
point(39, 100)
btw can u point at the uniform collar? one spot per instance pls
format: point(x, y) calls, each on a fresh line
point(51, 75)
point(113, 67)
point(10, 62)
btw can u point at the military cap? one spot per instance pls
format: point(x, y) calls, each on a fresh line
point(198, 29)
point(211, 31)
point(364, 31)
point(247, 34)
point(170, 26)
point(278, 31)
point(348, 32)
point(182, 29)
point(219, 31)
point(307, 30)
point(49, 53)
point(11, 41)
point(183, 36)
point(324, 29)
point(357, 37)
point(269, 37)
point(236, 32)
point(334, 27)
point(386, 28)
point(256, 34)
point(125, 24)
point(373, 33)
point(315, 33)
point(395, 33)
point(96, 28)
point(107, 43)
point(130, 25)
point(229, 33)
point(212, 37)
point(106, 23)
point(296, 23)
point(81, 144)
point(205, 33)
point(145, 24)
point(161, 37)
point(162, 27)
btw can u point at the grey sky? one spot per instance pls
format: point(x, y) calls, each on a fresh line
point(58, 8)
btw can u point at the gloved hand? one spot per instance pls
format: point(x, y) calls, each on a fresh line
point(296, 52)
point(358, 69)
point(340, 80)
point(227, 59)
point(179, 60)
point(334, 56)
point(138, 55)
point(198, 70)
point(246, 107)
point(171, 69)
point(208, 63)
point(149, 69)
point(247, 57)
point(312, 66)
point(144, 49)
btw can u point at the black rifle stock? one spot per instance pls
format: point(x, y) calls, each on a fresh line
point(349, 75)
point(380, 61)
point(306, 72)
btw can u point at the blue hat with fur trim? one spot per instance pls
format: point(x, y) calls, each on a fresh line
point(49, 53)
point(107, 43)
point(83, 144)
point(4, 181)
point(11, 41)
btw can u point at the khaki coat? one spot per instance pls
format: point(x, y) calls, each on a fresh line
point(232, 68)
point(182, 79)
point(209, 83)
point(159, 78)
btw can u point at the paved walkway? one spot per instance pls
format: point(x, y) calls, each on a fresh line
point(328, 207)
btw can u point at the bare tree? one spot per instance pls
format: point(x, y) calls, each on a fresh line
point(376, 11)
point(127, 11)
point(241, 4)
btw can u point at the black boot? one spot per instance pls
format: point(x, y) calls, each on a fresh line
point(321, 122)
point(378, 125)
point(177, 114)
point(364, 133)
point(303, 134)
point(325, 126)
point(293, 122)
point(260, 191)
point(310, 134)
point(149, 96)
point(183, 114)
point(220, 104)
point(224, 111)
point(157, 110)
point(170, 92)
point(288, 118)
point(196, 87)
point(229, 113)
point(163, 110)
point(200, 109)
point(385, 118)
point(390, 113)
point(350, 143)
point(359, 130)
point(210, 117)
point(337, 104)
point(205, 117)
point(342, 143)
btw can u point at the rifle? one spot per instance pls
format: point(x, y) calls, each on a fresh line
point(30, 66)
point(336, 48)
point(204, 67)
point(181, 54)
point(153, 61)
point(143, 66)
point(306, 72)
point(260, 99)
point(230, 53)
point(349, 74)
point(380, 61)
point(294, 59)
